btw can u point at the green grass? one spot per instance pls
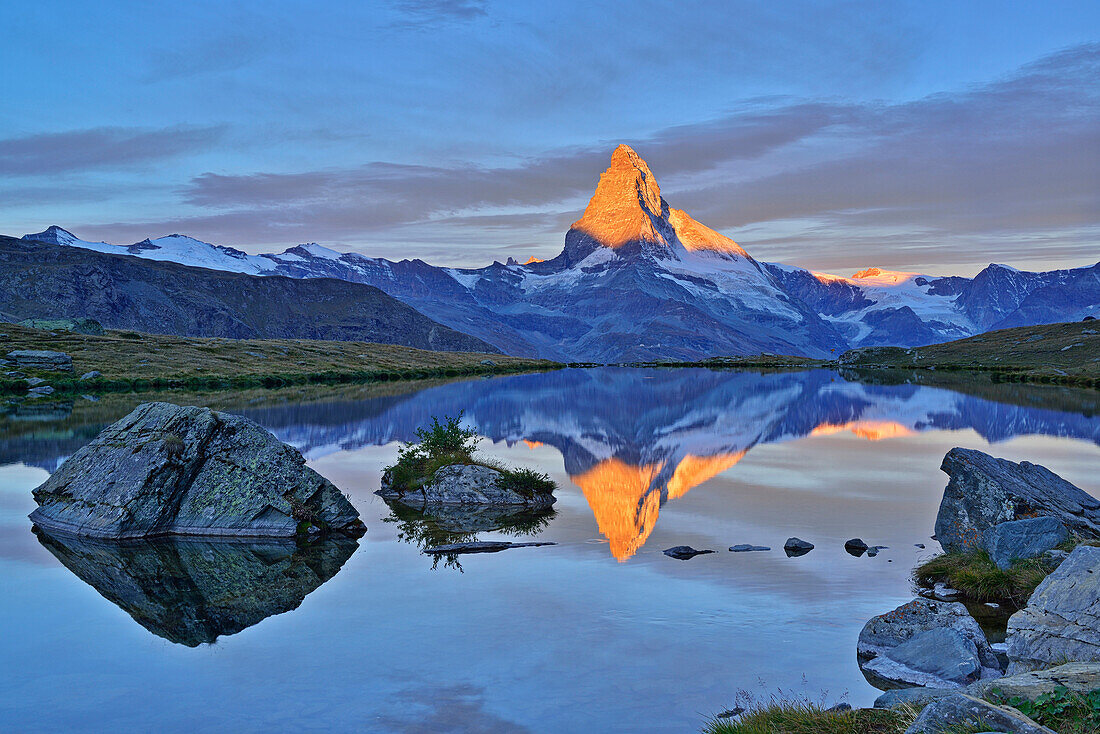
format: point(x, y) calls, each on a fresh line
point(447, 443)
point(978, 578)
point(1051, 353)
point(130, 360)
point(785, 716)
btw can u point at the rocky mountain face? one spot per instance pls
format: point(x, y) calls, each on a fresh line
point(639, 280)
point(40, 280)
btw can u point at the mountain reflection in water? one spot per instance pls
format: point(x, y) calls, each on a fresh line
point(191, 591)
point(633, 439)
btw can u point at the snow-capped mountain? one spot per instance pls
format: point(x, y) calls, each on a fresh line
point(639, 280)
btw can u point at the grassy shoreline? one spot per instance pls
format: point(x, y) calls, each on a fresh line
point(129, 360)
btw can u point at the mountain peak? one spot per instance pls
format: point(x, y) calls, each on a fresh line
point(626, 201)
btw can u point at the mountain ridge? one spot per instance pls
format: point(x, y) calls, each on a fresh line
point(638, 280)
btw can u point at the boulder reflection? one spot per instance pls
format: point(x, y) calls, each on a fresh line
point(192, 591)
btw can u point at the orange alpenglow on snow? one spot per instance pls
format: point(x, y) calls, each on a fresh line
point(626, 499)
point(869, 429)
point(627, 207)
point(532, 444)
point(532, 259)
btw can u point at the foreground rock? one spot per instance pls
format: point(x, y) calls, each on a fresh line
point(463, 484)
point(1019, 539)
point(1080, 678)
point(961, 712)
point(1061, 622)
point(480, 546)
point(171, 470)
point(684, 552)
point(39, 359)
point(191, 591)
point(856, 547)
point(895, 648)
point(985, 491)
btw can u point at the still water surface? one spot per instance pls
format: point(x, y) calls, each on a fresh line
point(601, 632)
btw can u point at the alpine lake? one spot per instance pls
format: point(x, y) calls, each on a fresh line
point(599, 633)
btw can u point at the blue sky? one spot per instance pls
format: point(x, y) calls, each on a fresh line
point(922, 136)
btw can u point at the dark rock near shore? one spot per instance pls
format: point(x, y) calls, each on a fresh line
point(41, 359)
point(463, 484)
point(985, 491)
point(684, 552)
point(855, 547)
point(1019, 539)
point(746, 548)
point(1061, 621)
point(170, 470)
point(191, 591)
point(797, 547)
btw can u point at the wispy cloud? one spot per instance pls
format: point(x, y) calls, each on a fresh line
point(986, 170)
point(100, 148)
point(425, 13)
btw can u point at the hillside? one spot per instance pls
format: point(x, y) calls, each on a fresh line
point(40, 280)
point(1067, 353)
point(128, 356)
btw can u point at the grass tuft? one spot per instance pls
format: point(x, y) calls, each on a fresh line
point(788, 716)
point(976, 575)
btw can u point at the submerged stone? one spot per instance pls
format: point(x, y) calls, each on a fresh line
point(684, 552)
point(171, 470)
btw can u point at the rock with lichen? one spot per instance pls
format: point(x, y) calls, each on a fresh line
point(171, 470)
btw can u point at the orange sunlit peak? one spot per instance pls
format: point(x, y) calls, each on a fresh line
point(532, 444)
point(626, 500)
point(533, 259)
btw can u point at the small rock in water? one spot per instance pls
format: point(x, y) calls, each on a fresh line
point(943, 592)
point(797, 547)
point(684, 552)
point(855, 547)
point(919, 545)
point(482, 546)
point(746, 548)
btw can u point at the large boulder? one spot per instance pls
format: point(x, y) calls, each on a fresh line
point(463, 484)
point(925, 662)
point(939, 654)
point(1061, 622)
point(171, 470)
point(1019, 539)
point(41, 359)
point(985, 491)
point(959, 712)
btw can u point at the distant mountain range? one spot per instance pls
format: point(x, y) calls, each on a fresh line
point(638, 280)
point(45, 281)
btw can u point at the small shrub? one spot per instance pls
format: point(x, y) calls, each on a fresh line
point(1061, 709)
point(526, 482)
point(437, 445)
